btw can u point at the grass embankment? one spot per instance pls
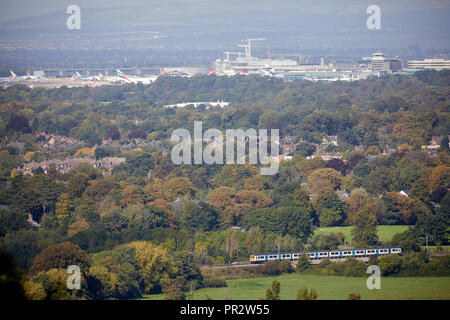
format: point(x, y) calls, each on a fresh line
point(385, 233)
point(329, 288)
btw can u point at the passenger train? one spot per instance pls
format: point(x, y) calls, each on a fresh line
point(317, 255)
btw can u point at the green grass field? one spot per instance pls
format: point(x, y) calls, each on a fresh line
point(329, 288)
point(385, 233)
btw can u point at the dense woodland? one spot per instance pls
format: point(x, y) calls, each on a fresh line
point(150, 224)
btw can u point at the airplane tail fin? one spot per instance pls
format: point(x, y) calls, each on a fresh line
point(211, 72)
point(13, 75)
point(78, 75)
point(163, 71)
point(121, 75)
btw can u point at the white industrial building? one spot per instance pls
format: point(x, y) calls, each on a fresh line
point(436, 64)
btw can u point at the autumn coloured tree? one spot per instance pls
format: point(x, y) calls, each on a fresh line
point(358, 200)
point(50, 285)
point(154, 263)
point(77, 226)
point(64, 206)
point(233, 204)
point(177, 188)
point(410, 209)
point(60, 256)
point(439, 177)
point(331, 175)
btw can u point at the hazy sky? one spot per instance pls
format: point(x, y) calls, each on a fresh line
point(11, 9)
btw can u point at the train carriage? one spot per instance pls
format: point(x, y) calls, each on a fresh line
point(347, 253)
point(335, 254)
point(317, 255)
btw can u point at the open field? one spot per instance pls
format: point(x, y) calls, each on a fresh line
point(385, 233)
point(330, 288)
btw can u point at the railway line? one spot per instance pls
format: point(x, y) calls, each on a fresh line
point(229, 265)
point(315, 257)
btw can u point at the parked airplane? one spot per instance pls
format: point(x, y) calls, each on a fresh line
point(25, 77)
point(211, 72)
point(93, 83)
point(77, 76)
point(3, 79)
point(123, 77)
point(228, 73)
point(174, 73)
